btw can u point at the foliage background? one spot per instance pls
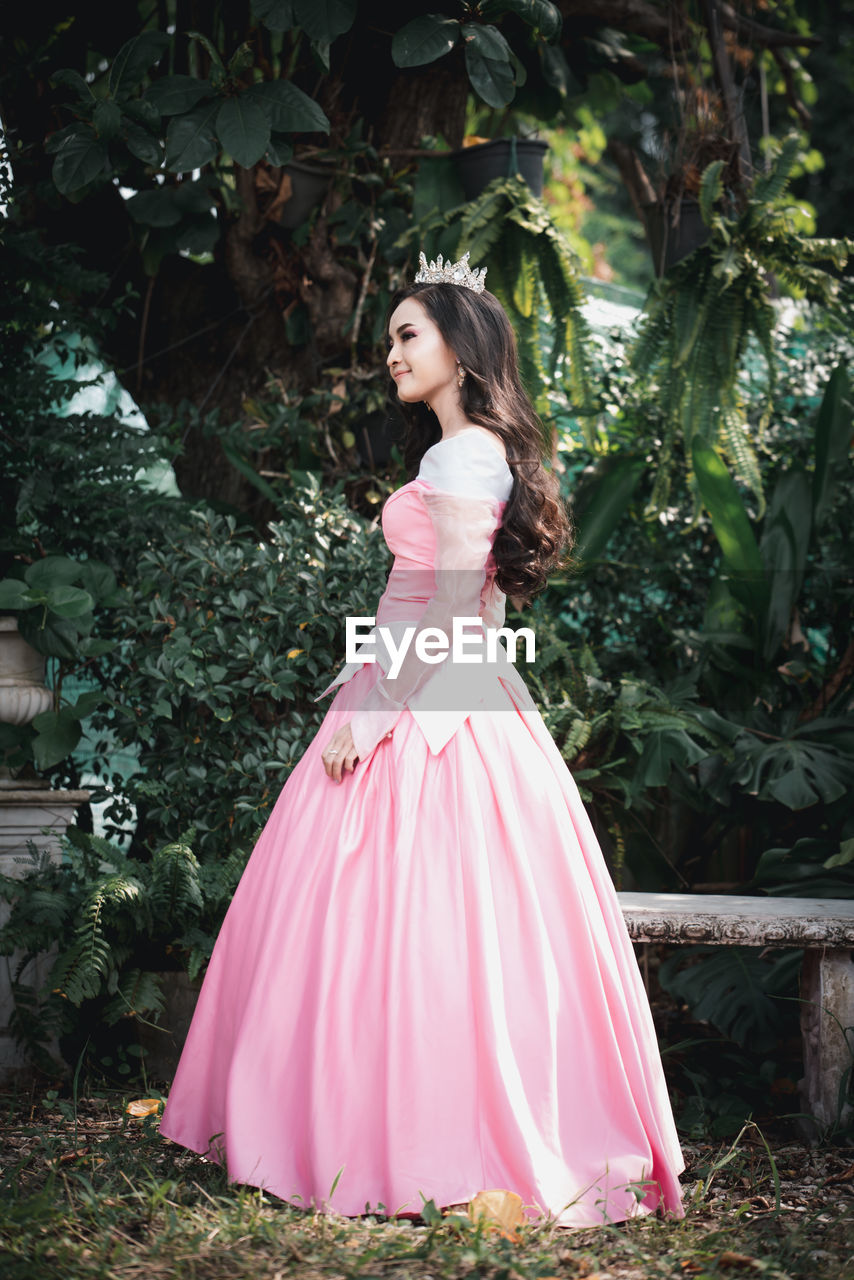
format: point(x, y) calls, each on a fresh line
point(254, 350)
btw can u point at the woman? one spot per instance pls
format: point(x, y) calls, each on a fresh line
point(424, 986)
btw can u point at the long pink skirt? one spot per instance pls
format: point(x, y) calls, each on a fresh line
point(424, 988)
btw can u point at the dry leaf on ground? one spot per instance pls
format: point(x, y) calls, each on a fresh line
point(143, 1107)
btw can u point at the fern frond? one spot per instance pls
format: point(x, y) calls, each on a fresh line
point(526, 288)
point(740, 452)
point(138, 992)
point(711, 189)
point(175, 888)
point(770, 186)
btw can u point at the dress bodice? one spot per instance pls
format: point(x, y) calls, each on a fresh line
point(465, 464)
point(440, 528)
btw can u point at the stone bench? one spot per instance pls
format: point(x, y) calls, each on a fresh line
point(823, 926)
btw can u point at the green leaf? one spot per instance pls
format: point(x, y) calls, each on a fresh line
point(243, 129)
point(437, 186)
point(143, 112)
point(174, 95)
point(843, 858)
point(492, 80)
point(133, 60)
point(107, 119)
point(424, 40)
point(157, 208)
point(323, 20)
point(277, 15)
point(487, 40)
point(72, 80)
point(57, 734)
point(86, 704)
point(218, 73)
point(69, 602)
point(80, 160)
point(661, 752)
point(98, 579)
point(556, 69)
point(711, 188)
point(793, 790)
point(783, 546)
point(288, 109)
point(56, 141)
point(250, 473)
point(731, 525)
point(58, 638)
point(14, 595)
point(141, 144)
point(832, 436)
point(607, 505)
point(320, 49)
point(53, 571)
point(188, 672)
point(242, 58)
point(198, 236)
point(191, 141)
point(279, 150)
point(539, 14)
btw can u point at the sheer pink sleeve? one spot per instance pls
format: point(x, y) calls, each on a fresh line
point(464, 527)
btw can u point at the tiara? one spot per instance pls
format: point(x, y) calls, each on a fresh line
point(451, 273)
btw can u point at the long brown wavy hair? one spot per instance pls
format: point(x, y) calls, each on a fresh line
point(536, 535)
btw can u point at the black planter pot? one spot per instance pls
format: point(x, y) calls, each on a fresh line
point(501, 158)
point(162, 1044)
point(669, 243)
point(309, 184)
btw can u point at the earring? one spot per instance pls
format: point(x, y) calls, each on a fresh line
point(428, 407)
point(461, 376)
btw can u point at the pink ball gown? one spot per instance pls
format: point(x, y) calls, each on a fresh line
point(423, 986)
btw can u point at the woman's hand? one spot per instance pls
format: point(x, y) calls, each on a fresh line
point(339, 754)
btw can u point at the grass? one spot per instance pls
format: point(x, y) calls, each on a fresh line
point(87, 1191)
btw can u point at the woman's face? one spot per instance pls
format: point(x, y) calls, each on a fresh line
point(419, 360)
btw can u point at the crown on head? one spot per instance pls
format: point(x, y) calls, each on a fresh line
point(451, 273)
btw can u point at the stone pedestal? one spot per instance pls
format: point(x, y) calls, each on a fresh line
point(22, 690)
point(33, 816)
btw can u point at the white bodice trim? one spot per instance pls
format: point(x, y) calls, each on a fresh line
point(467, 464)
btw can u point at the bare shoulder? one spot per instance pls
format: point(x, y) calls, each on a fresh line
point(493, 439)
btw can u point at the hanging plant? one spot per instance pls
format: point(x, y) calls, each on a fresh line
point(533, 272)
point(700, 317)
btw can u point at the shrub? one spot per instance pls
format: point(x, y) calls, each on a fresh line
point(225, 643)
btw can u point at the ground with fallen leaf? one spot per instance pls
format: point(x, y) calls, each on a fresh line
point(92, 1191)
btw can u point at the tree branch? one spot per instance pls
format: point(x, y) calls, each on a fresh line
point(752, 33)
point(633, 175)
point(726, 84)
point(644, 19)
point(803, 113)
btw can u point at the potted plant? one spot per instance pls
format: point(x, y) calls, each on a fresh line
point(307, 182)
point(480, 161)
point(534, 273)
point(495, 71)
